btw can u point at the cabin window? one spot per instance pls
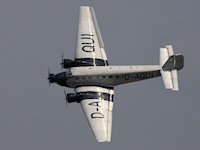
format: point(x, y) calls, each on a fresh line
point(98, 77)
point(110, 76)
point(117, 76)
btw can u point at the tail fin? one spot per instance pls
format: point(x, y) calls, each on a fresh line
point(170, 64)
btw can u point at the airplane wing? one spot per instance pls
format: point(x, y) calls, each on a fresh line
point(89, 44)
point(97, 104)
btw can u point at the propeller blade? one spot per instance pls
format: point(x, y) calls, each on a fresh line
point(66, 98)
point(49, 76)
point(62, 61)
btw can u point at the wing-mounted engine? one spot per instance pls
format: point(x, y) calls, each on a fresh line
point(70, 97)
point(78, 97)
point(67, 63)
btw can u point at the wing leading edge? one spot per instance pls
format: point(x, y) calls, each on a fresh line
point(97, 104)
point(89, 44)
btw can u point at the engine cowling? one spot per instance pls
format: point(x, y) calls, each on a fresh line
point(59, 78)
point(67, 63)
point(71, 97)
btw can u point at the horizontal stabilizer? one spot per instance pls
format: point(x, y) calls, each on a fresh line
point(170, 64)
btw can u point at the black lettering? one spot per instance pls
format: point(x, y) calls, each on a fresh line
point(142, 76)
point(137, 76)
point(127, 76)
point(87, 35)
point(97, 115)
point(88, 42)
point(145, 75)
point(149, 75)
point(95, 104)
point(88, 48)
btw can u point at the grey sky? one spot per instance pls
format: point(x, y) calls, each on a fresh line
point(33, 34)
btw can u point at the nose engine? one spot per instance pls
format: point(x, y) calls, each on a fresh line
point(59, 78)
point(52, 78)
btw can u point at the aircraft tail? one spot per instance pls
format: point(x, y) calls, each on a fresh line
point(170, 65)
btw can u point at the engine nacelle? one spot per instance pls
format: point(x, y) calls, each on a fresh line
point(71, 97)
point(59, 78)
point(67, 63)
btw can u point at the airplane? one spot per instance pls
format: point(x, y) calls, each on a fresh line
point(93, 79)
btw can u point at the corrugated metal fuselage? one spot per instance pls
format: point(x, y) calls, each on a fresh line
point(109, 76)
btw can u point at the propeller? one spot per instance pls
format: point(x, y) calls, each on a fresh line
point(51, 77)
point(62, 61)
point(66, 98)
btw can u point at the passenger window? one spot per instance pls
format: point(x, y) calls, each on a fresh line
point(98, 77)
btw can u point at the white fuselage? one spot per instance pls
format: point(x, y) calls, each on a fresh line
point(110, 75)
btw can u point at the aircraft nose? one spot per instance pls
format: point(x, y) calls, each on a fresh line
point(59, 78)
point(52, 78)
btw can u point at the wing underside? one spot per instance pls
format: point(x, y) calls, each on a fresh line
point(89, 44)
point(97, 104)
